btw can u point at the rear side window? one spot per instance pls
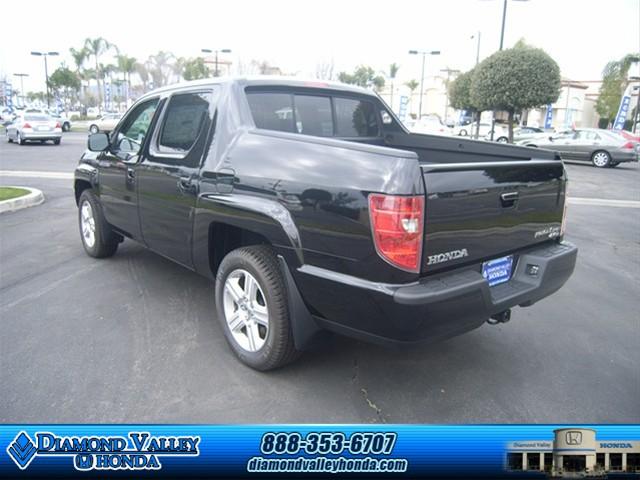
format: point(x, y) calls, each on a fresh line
point(272, 111)
point(355, 118)
point(185, 116)
point(313, 115)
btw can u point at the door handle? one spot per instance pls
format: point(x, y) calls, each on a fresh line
point(509, 199)
point(186, 185)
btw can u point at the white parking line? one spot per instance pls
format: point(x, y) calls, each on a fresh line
point(603, 202)
point(35, 174)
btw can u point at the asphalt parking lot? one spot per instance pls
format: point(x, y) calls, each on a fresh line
point(134, 339)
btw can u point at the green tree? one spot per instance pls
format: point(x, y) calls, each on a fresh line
point(195, 68)
point(460, 96)
point(363, 76)
point(96, 48)
point(64, 82)
point(80, 56)
point(515, 79)
point(614, 83)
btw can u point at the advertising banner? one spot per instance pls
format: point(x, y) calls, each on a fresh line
point(623, 109)
point(292, 451)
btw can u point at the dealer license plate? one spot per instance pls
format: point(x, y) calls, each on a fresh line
point(498, 270)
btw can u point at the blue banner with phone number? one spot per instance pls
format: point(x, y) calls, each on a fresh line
point(282, 451)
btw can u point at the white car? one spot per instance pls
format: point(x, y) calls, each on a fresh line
point(34, 127)
point(431, 125)
point(64, 121)
point(106, 123)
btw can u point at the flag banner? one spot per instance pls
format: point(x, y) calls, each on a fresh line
point(548, 118)
point(623, 110)
point(336, 451)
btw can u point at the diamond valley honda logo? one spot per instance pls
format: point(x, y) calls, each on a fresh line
point(136, 451)
point(573, 437)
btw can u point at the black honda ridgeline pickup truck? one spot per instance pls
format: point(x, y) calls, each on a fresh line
point(314, 209)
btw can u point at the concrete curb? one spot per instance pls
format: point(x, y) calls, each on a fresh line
point(33, 198)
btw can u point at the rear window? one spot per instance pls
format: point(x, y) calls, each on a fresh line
point(313, 115)
point(355, 118)
point(272, 111)
point(36, 118)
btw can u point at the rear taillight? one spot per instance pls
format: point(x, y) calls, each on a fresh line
point(26, 125)
point(397, 223)
point(629, 145)
point(58, 125)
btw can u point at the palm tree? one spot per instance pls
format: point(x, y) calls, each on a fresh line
point(412, 85)
point(127, 65)
point(393, 71)
point(96, 47)
point(159, 67)
point(79, 57)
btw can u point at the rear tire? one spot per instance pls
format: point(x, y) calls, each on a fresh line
point(502, 140)
point(98, 239)
point(94, 129)
point(601, 159)
point(21, 140)
point(56, 141)
point(251, 305)
point(66, 127)
point(463, 133)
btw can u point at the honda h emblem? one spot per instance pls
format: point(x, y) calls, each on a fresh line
point(574, 438)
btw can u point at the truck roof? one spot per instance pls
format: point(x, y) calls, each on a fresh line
point(266, 81)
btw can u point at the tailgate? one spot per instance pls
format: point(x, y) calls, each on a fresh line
point(477, 212)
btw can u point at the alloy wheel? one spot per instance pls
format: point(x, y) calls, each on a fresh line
point(600, 159)
point(88, 224)
point(245, 310)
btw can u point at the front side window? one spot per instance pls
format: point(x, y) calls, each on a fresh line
point(185, 116)
point(134, 130)
point(355, 118)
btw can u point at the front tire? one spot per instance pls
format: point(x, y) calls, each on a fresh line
point(502, 140)
point(98, 239)
point(462, 133)
point(601, 159)
point(94, 129)
point(56, 141)
point(251, 305)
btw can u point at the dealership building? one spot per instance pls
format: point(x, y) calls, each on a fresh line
point(574, 452)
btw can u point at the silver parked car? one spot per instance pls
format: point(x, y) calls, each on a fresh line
point(106, 123)
point(34, 127)
point(600, 147)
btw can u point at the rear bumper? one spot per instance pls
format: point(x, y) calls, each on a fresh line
point(625, 156)
point(41, 135)
point(435, 308)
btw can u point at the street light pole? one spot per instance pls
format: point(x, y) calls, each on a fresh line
point(504, 18)
point(46, 69)
point(477, 48)
point(21, 75)
point(448, 71)
point(424, 56)
point(208, 50)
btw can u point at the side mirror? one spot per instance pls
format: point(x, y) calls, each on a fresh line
point(98, 142)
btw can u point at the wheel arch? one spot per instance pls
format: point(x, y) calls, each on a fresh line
point(79, 186)
point(225, 223)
